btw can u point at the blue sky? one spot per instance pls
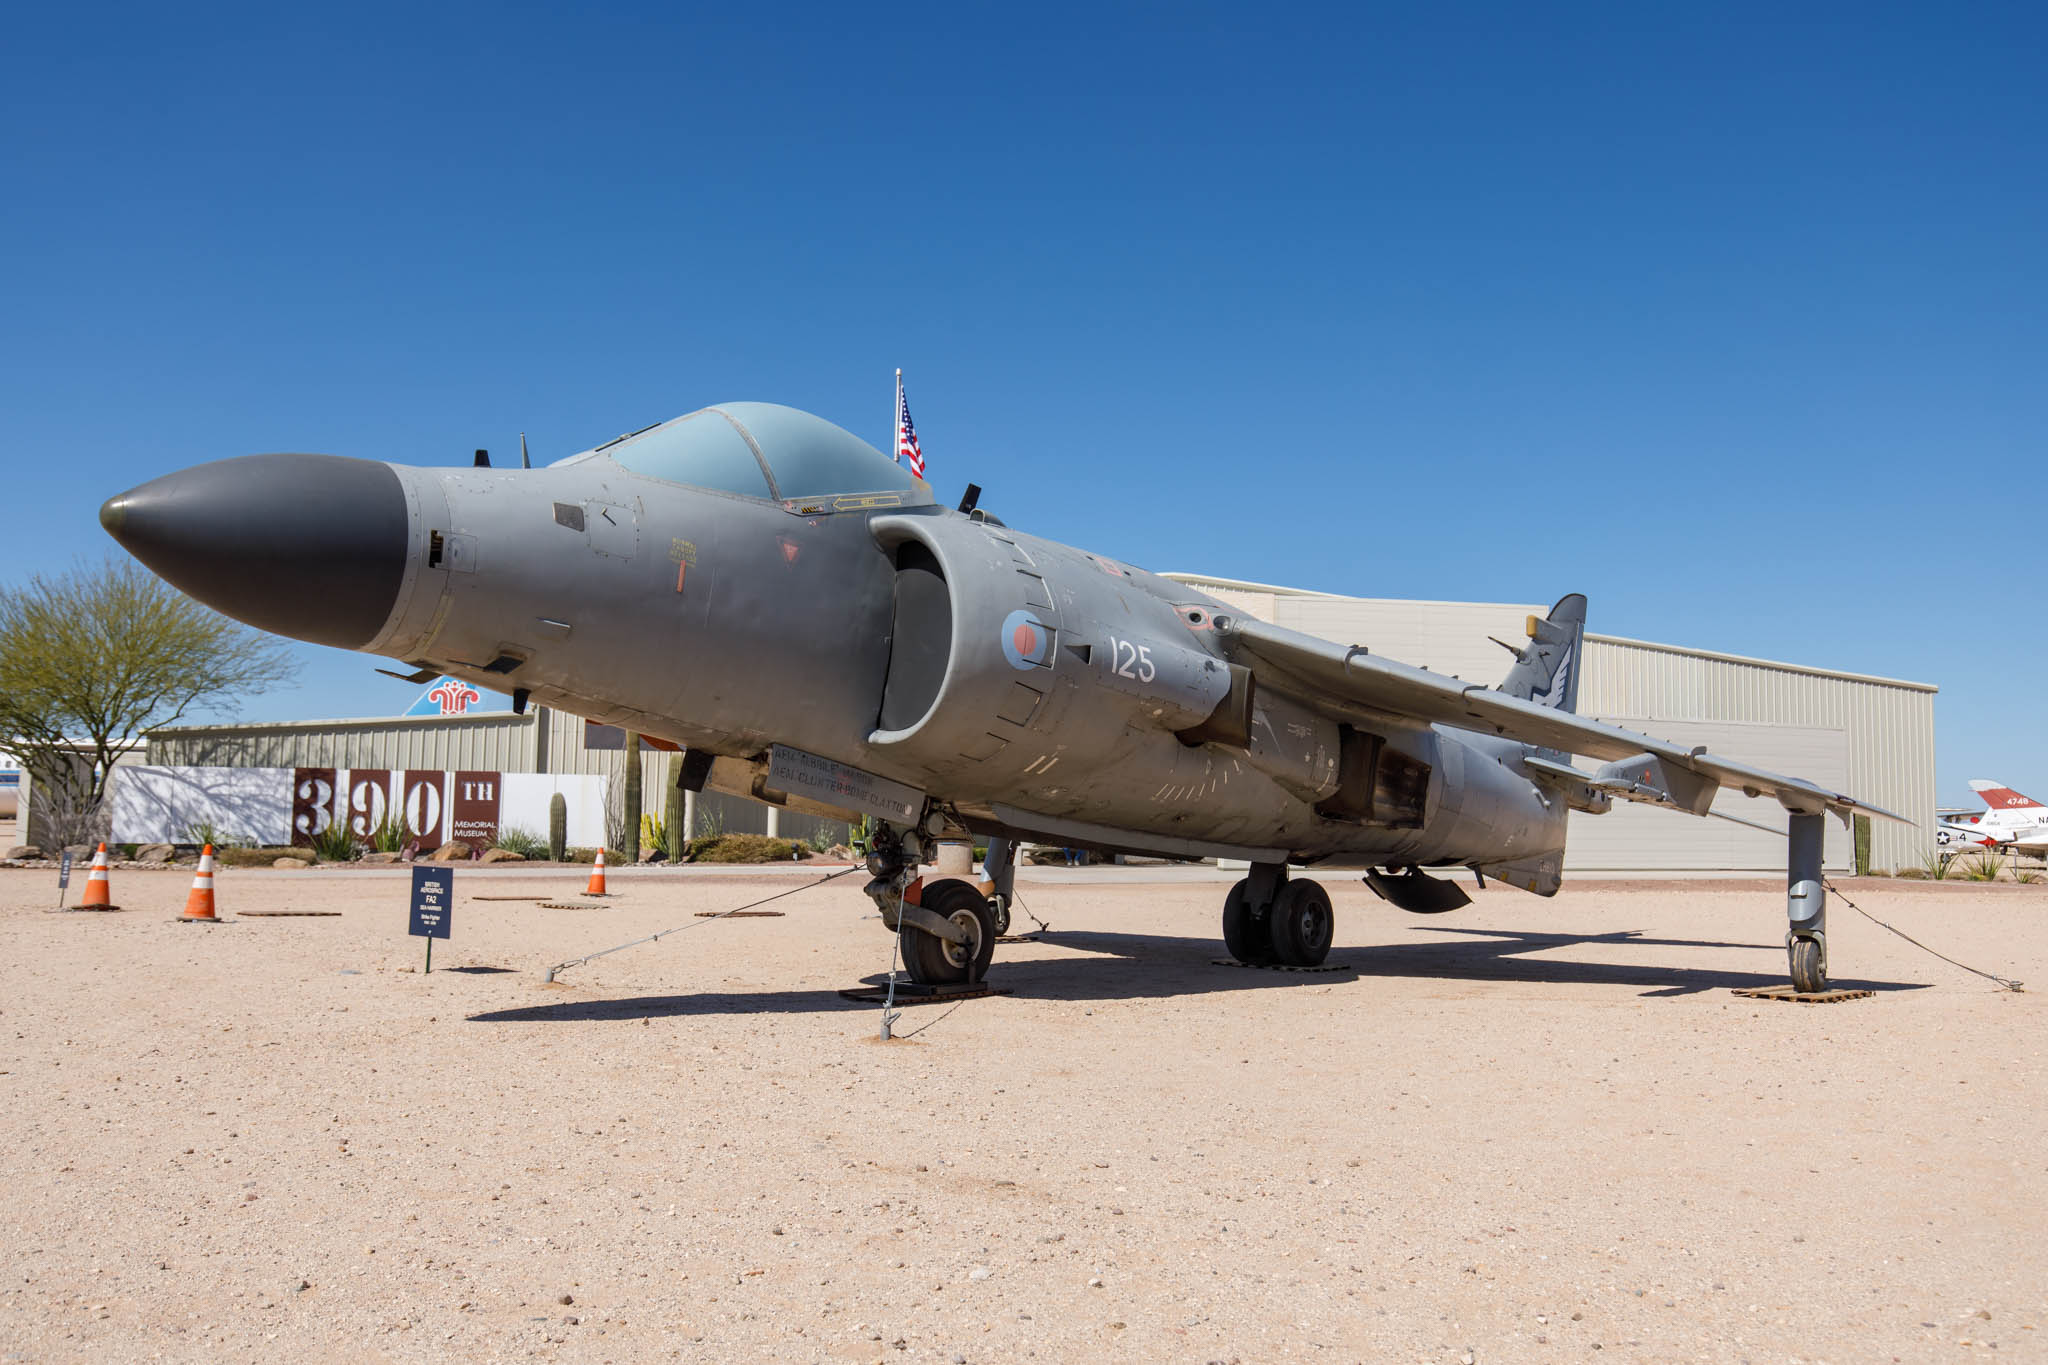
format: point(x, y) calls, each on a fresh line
point(1734, 317)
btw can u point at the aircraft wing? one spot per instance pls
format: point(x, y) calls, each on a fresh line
point(1349, 682)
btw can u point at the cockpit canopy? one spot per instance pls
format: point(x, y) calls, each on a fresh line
point(758, 450)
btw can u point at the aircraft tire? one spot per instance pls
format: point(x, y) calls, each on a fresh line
point(935, 962)
point(1244, 933)
point(1300, 924)
point(1807, 973)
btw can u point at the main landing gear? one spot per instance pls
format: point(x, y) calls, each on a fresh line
point(1269, 920)
point(949, 927)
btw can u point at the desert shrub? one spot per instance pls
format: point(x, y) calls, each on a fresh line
point(741, 848)
point(203, 832)
point(612, 856)
point(1985, 867)
point(389, 836)
point(523, 841)
point(1911, 874)
point(337, 844)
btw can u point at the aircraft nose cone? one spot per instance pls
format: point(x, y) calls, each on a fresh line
point(311, 546)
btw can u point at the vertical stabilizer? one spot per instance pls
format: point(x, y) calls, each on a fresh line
point(1546, 671)
point(2000, 797)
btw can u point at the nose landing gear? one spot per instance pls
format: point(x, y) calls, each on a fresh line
point(949, 927)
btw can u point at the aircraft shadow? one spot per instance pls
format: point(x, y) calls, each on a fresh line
point(1150, 966)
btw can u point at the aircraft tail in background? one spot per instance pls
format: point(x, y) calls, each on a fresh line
point(1998, 796)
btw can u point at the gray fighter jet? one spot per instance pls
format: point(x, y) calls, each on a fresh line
point(780, 598)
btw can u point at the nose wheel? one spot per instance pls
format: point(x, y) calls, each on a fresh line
point(934, 961)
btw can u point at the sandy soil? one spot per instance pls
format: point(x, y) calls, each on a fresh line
point(1526, 1131)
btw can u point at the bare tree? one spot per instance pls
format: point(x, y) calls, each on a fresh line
point(103, 654)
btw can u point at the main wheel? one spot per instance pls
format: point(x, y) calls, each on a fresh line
point(1808, 972)
point(1244, 932)
point(1300, 924)
point(935, 962)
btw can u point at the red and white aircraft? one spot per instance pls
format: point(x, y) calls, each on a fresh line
point(2012, 821)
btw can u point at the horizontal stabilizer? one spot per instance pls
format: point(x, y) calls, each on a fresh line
point(1418, 894)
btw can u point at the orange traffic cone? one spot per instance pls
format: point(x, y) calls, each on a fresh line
point(596, 887)
point(199, 902)
point(98, 892)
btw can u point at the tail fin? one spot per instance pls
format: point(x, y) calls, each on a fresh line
point(1547, 671)
point(2000, 797)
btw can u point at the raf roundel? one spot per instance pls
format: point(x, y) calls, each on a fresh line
point(1027, 641)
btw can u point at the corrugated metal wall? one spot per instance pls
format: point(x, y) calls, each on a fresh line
point(491, 743)
point(1885, 728)
point(1888, 726)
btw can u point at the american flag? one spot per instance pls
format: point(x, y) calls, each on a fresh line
point(907, 450)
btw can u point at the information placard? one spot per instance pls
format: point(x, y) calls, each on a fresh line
point(433, 902)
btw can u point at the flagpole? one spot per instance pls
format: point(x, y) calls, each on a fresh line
point(896, 421)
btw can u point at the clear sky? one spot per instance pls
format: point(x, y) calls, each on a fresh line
point(1731, 316)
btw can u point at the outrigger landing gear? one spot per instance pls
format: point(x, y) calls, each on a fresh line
point(1269, 920)
point(1806, 904)
point(953, 926)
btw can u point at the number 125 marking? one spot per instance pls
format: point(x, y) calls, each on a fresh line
point(1128, 660)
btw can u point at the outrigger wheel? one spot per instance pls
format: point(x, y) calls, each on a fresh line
point(1809, 966)
point(935, 962)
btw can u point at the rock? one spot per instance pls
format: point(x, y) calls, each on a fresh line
point(289, 862)
point(1095, 1282)
point(566, 1299)
point(980, 1272)
point(20, 851)
point(156, 855)
point(503, 855)
point(839, 853)
point(448, 853)
point(79, 850)
point(380, 859)
point(651, 854)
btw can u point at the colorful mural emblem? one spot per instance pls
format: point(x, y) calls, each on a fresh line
point(447, 697)
point(1027, 641)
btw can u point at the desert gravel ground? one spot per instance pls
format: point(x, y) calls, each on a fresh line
point(1526, 1131)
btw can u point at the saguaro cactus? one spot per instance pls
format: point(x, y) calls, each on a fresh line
point(675, 828)
point(558, 828)
point(632, 831)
